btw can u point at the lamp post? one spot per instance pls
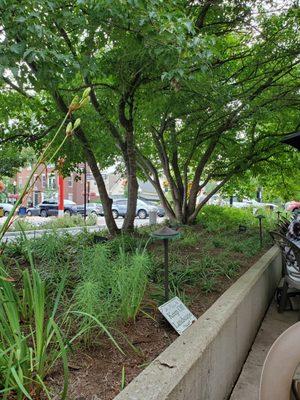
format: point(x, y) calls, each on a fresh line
point(166, 234)
point(260, 218)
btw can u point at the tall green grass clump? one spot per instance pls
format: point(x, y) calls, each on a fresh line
point(110, 287)
point(31, 341)
point(131, 281)
point(93, 293)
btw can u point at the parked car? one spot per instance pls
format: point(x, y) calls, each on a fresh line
point(33, 211)
point(7, 207)
point(50, 208)
point(160, 210)
point(292, 206)
point(252, 203)
point(91, 208)
point(119, 208)
point(255, 203)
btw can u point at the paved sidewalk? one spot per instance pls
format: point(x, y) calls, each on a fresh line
point(247, 386)
point(13, 236)
point(31, 234)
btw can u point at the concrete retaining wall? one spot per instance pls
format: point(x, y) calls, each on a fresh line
point(204, 363)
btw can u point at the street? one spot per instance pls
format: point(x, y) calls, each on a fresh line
point(39, 231)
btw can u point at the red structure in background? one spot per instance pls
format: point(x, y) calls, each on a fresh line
point(61, 194)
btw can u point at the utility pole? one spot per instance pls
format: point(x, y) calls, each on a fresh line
point(61, 206)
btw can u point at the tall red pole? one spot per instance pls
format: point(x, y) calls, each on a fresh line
point(61, 196)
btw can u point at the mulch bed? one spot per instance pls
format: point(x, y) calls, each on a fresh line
point(96, 373)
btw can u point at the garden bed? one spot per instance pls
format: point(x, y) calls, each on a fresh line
point(208, 259)
point(98, 370)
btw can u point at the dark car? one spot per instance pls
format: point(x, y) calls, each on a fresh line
point(50, 208)
point(91, 208)
point(33, 211)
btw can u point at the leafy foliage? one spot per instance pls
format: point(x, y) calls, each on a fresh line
point(10, 162)
point(193, 91)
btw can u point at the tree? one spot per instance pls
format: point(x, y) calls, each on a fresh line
point(57, 47)
point(10, 162)
point(196, 91)
point(220, 120)
point(278, 179)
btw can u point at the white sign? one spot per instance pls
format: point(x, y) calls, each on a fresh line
point(177, 314)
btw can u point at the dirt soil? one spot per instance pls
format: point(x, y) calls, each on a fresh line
point(96, 373)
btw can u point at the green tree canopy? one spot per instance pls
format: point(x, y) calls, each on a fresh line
point(193, 91)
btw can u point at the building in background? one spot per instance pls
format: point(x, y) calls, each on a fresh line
point(45, 185)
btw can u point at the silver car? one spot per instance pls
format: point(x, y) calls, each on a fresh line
point(119, 208)
point(91, 208)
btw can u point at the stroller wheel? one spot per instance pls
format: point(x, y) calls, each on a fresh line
point(278, 295)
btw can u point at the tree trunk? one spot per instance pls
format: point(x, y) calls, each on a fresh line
point(105, 199)
point(130, 161)
point(91, 159)
point(152, 175)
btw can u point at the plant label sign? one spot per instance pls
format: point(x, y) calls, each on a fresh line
point(177, 314)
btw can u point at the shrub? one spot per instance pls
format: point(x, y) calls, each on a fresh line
point(248, 246)
point(216, 218)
